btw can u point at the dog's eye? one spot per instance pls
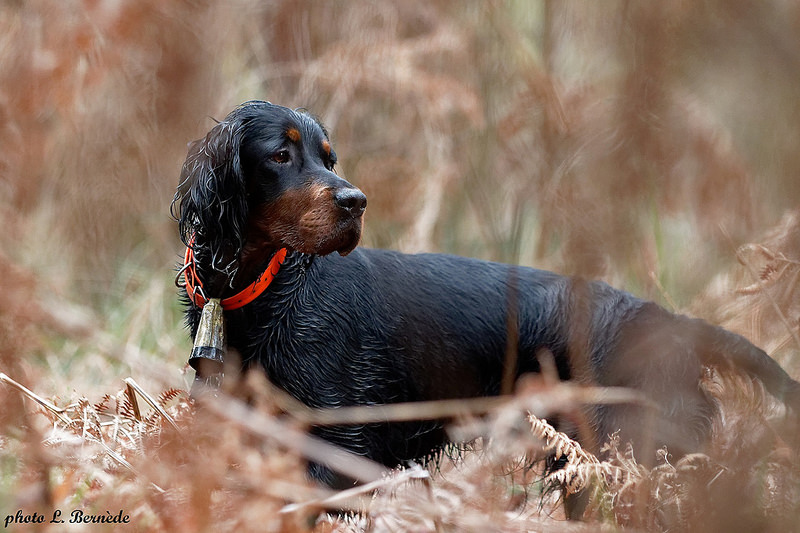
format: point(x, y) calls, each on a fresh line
point(281, 157)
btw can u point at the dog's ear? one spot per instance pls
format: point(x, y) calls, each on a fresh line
point(210, 204)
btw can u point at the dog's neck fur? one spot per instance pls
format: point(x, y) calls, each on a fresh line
point(223, 275)
point(220, 273)
point(255, 254)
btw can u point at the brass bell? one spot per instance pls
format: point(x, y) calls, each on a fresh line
point(208, 352)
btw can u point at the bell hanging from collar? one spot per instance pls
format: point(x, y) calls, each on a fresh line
point(208, 352)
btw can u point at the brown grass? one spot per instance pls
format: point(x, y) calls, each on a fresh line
point(170, 464)
point(651, 145)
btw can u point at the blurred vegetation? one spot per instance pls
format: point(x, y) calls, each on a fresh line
point(595, 139)
point(638, 142)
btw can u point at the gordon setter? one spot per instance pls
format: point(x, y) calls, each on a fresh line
point(367, 326)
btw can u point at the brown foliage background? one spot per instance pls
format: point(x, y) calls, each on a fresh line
point(571, 134)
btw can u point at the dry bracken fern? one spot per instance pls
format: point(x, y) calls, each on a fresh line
point(581, 468)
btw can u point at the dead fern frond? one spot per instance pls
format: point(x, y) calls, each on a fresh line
point(103, 405)
point(775, 266)
point(559, 443)
point(119, 431)
point(126, 408)
point(168, 395)
point(582, 468)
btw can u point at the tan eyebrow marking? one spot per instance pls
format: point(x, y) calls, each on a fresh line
point(326, 146)
point(293, 134)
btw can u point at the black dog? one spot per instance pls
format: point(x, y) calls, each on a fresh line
point(366, 327)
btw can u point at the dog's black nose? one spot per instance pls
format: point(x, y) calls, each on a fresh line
point(351, 200)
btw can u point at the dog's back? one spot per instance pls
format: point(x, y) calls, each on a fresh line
point(383, 327)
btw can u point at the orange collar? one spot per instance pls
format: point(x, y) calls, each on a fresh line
point(194, 287)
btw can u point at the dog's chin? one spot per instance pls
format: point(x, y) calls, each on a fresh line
point(342, 242)
point(348, 242)
point(349, 248)
point(347, 237)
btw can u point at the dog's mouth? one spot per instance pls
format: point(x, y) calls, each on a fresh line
point(317, 232)
point(341, 237)
point(350, 237)
point(312, 224)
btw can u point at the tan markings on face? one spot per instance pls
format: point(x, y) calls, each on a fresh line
point(316, 193)
point(293, 134)
point(306, 220)
point(316, 224)
point(326, 146)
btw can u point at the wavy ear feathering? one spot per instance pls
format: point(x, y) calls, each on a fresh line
point(210, 203)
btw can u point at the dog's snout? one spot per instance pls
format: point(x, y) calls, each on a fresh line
point(351, 200)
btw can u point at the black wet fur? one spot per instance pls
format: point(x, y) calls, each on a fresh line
point(378, 326)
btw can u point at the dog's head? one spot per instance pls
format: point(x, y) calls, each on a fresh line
point(264, 178)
